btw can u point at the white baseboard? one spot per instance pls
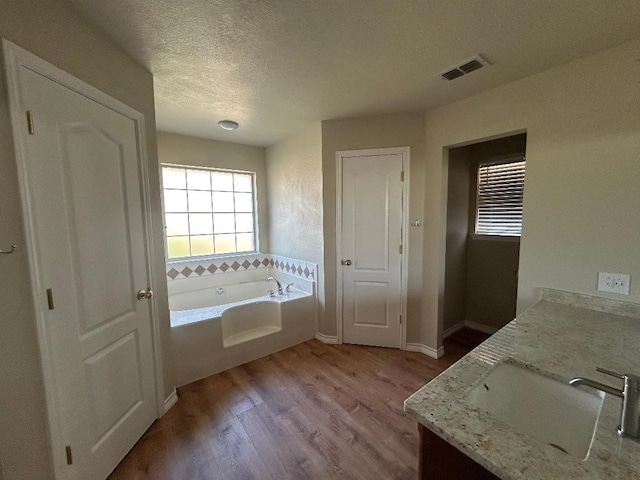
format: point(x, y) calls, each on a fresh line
point(330, 339)
point(451, 330)
point(430, 352)
point(480, 327)
point(433, 353)
point(171, 400)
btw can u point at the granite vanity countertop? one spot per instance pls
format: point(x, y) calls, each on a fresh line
point(565, 335)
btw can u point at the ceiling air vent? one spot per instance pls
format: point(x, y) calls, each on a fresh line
point(468, 66)
point(471, 66)
point(453, 74)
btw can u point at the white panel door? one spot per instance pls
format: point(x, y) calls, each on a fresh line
point(84, 188)
point(371, 258)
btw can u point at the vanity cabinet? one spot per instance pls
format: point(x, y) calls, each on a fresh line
point(566, 335)
point(441, 461)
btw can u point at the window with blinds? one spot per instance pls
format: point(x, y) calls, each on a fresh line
point(499, 198)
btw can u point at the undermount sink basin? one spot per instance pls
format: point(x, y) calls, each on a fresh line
point(541, 407)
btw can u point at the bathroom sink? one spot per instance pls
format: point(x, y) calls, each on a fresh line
point(539, 406)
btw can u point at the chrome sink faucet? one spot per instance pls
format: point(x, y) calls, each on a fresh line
point(279, 284)
point(630, 394)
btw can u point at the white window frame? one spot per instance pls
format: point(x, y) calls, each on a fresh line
point(506, 197)
point(211, 256)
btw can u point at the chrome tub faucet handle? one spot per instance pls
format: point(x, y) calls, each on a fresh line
point(278, 282)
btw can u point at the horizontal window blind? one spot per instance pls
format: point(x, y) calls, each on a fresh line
point(499, 200)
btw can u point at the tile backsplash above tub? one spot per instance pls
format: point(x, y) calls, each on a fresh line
point(202, 268)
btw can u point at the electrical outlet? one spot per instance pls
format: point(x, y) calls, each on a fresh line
point(614, 283)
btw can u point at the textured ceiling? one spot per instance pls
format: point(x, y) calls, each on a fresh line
point(277, 65)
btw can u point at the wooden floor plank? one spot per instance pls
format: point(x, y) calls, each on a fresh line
point(282, 456)
point(337, 442)
point(366, 410)
point(313, 411)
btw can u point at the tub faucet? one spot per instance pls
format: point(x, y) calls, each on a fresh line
point(630, 395)
point(279, 284)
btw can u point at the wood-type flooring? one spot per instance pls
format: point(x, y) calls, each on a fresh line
point(313, 411)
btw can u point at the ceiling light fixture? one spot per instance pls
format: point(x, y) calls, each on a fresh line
point(228, 124)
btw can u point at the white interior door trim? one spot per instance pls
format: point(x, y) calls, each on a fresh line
point(340, 156)
point(16, 57)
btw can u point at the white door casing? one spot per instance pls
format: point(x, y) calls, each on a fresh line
point(82, 176)
point(372, 201)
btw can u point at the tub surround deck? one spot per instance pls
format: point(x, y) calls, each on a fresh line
point(222, 315)
point(187, 317)
point(208, 340)
point(565, 335)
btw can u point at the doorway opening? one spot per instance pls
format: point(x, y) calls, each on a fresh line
point(483, 234)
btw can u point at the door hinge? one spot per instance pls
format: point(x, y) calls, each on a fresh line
point(400, 250)
point(50, 298)
point(402, 176)
point(30, 122)
point(69, 457)
point(400, 319)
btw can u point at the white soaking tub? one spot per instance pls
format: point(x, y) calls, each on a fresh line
point(217, 328)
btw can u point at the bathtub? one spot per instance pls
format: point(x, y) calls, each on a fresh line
point(223, 296)
point(217, 328)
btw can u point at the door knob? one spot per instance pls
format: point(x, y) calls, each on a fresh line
point(142, 294)
point(346, 262)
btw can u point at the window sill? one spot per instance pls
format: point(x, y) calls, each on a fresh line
point(494, 238)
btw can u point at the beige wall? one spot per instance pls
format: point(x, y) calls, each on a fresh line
point(54, 33)
point(381, 131)
point(455, 279)
point(294, 184)
point(492, 281)
point(202, 152)
point(582, 187)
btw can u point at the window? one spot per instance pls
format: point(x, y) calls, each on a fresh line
point(208, 212)
point(499, 198)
